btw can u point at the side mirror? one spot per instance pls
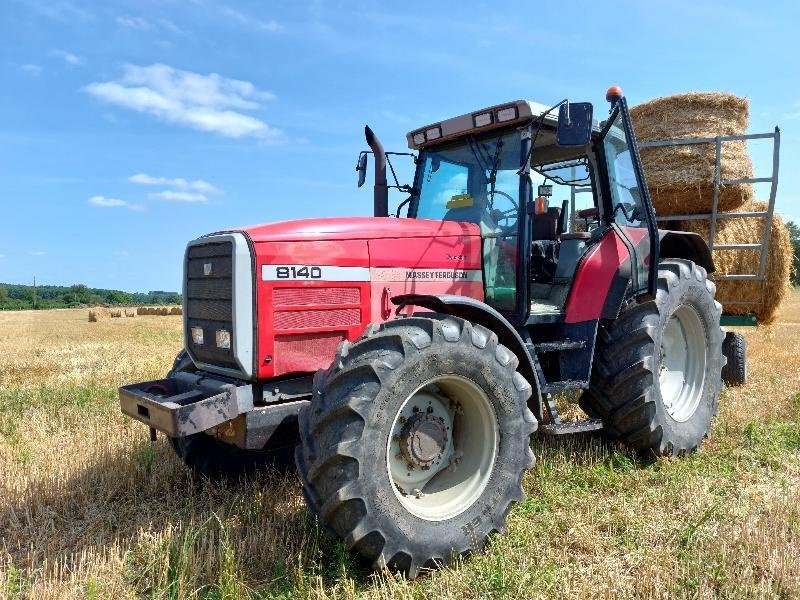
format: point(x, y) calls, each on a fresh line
point(361, 168)
point(574, 124)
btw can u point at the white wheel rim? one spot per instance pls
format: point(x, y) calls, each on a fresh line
point(440, 457)
point(683, 363)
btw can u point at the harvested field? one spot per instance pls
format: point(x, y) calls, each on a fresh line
point(681, 178)
point(727, 262)
point(89, 508)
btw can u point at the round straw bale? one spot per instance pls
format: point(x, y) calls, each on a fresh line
point(99, 313)
point(163, 311)
point(749, 230)
point(681, 178)
point(116, 313)
point(129, 312)
point(176, 310)
point(141, 310)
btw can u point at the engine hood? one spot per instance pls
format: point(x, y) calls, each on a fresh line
point(356, 228)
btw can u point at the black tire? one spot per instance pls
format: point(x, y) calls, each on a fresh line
point(214, 459)
point(626, 388)
point(343, 457)
point(734, 347)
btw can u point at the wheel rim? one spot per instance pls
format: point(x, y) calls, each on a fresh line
point(683, 363)
point(442, 447)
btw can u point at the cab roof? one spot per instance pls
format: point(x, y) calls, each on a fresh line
point(493, 117)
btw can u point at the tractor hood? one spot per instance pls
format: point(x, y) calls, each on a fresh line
point(356, 228)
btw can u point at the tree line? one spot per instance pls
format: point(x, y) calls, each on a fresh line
point(22, 297)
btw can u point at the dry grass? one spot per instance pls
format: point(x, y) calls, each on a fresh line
point(681, 178)
point(90, 509)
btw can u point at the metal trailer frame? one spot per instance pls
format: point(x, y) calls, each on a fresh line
point(714, 215)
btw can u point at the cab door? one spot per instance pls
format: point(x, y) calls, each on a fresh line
point(628, 199)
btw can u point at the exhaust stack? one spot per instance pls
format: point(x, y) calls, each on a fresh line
point(381, 193)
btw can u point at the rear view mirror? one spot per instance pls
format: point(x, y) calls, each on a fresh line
point(361, 168)
point(574, 124)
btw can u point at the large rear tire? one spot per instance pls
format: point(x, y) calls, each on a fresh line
point(656, 375)
point(416, 441)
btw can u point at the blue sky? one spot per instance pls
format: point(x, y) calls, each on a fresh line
point(128, 128)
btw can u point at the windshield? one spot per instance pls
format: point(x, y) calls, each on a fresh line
point(473, 180)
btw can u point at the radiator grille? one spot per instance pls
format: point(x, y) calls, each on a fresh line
point(305, 351)
point(314, 296)
point(307, 319)
point(209, 300)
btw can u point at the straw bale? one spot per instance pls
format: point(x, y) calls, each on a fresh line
point(99, 314)
point(742, 262)
point(116, 313)
point(142, 310)
point(176, 310)
point(681, 178)
point(129, 312)
point(163, 311)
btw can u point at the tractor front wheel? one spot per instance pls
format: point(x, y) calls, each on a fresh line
point(656, 375)
point(416, 441)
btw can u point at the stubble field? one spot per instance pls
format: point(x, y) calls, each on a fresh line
point(89, 508)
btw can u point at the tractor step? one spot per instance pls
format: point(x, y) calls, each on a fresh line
point(570, 427)
point(561, 386)
point(558, 345)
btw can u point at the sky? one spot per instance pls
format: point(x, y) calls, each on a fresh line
point(129, 127)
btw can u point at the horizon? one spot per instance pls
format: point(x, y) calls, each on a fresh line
point(129, 128)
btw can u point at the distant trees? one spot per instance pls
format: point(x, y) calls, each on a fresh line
point(20, 297)
point(794, 236)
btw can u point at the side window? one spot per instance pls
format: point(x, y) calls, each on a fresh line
point(626, 199)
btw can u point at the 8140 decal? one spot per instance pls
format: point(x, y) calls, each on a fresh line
point(313, 273)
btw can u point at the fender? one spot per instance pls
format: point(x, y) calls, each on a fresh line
point(481, 313)
point(685, 244)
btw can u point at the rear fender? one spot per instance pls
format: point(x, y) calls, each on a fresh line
point(687, 245)
point(481, 313)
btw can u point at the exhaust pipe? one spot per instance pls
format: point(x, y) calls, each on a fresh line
point(381, 194)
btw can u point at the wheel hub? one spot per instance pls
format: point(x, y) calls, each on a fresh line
point(423, 439)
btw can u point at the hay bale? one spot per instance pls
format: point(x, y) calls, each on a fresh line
point(116, 313)
point(681, 178)
point(99, 314)
point(176, 310)
point(142, 310)
point(733, 262)
point(163, 311)
point(129, 312)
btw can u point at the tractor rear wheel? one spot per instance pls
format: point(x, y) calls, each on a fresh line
point(657, 370)
point(416, 441)
point(734, 347)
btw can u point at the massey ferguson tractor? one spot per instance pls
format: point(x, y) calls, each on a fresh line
point(414, 354)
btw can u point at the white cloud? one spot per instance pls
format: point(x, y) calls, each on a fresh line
point(68, 57)
point(31, 69)
point(104, 202)
point(37, 253)
point(250, 21)
point(204, 102)
point(134, 22)
point(171, 196)
point(198, 185)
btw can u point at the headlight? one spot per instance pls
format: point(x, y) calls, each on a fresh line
point(223, 339)
point(197, 336)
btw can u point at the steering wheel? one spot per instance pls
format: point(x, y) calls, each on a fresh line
point(506, 215)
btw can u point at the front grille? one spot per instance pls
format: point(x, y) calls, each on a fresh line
point(209, 300)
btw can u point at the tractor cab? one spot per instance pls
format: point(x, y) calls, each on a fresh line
point(546, 187)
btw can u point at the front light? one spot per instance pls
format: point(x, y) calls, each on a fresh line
point(482, 119)
point(223, 339)
point(507, 114)
point(197, 336)
point(419, 138)
point(434, 133)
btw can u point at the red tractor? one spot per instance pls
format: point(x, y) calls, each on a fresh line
point(415, 355)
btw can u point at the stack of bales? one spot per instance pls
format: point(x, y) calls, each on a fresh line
point(681, 181)
point(176, 310)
